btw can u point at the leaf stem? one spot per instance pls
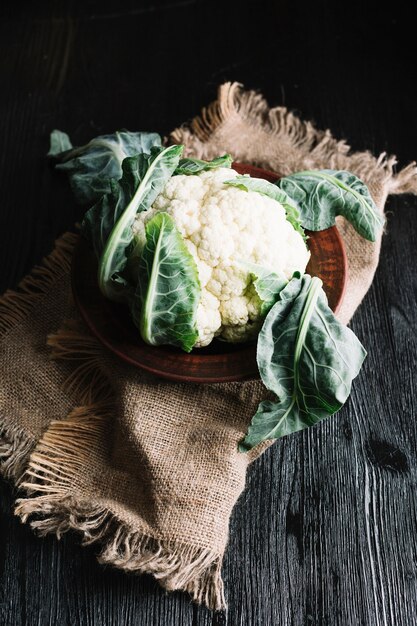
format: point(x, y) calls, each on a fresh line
point(310, 304)
point(106, 260)
point(145, 322)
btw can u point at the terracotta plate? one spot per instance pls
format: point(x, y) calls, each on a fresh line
point(219, 362)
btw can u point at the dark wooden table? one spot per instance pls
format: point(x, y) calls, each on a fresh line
point(326, 532)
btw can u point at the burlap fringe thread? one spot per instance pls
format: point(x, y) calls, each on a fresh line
point(320, 145)
point(54, 463)
point(67, 442)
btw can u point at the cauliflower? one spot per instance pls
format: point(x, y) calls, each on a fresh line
point(225, 229)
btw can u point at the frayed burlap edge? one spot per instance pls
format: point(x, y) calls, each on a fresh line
point(176, 566)
point(318, 145)
point(15, 305)
point(55, 464)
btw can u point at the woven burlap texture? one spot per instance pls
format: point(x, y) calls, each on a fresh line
point(150, 469)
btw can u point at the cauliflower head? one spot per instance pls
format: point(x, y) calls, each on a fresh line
point(226, 229)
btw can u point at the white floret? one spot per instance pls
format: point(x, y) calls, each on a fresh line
point(208, 317)
point(234, 311)
point(223, 228)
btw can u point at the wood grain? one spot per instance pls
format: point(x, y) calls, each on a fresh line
point(325, 534)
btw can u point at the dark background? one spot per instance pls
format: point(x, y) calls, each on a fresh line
point(325, 534)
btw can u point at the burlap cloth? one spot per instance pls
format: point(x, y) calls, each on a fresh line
point(148, 468)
